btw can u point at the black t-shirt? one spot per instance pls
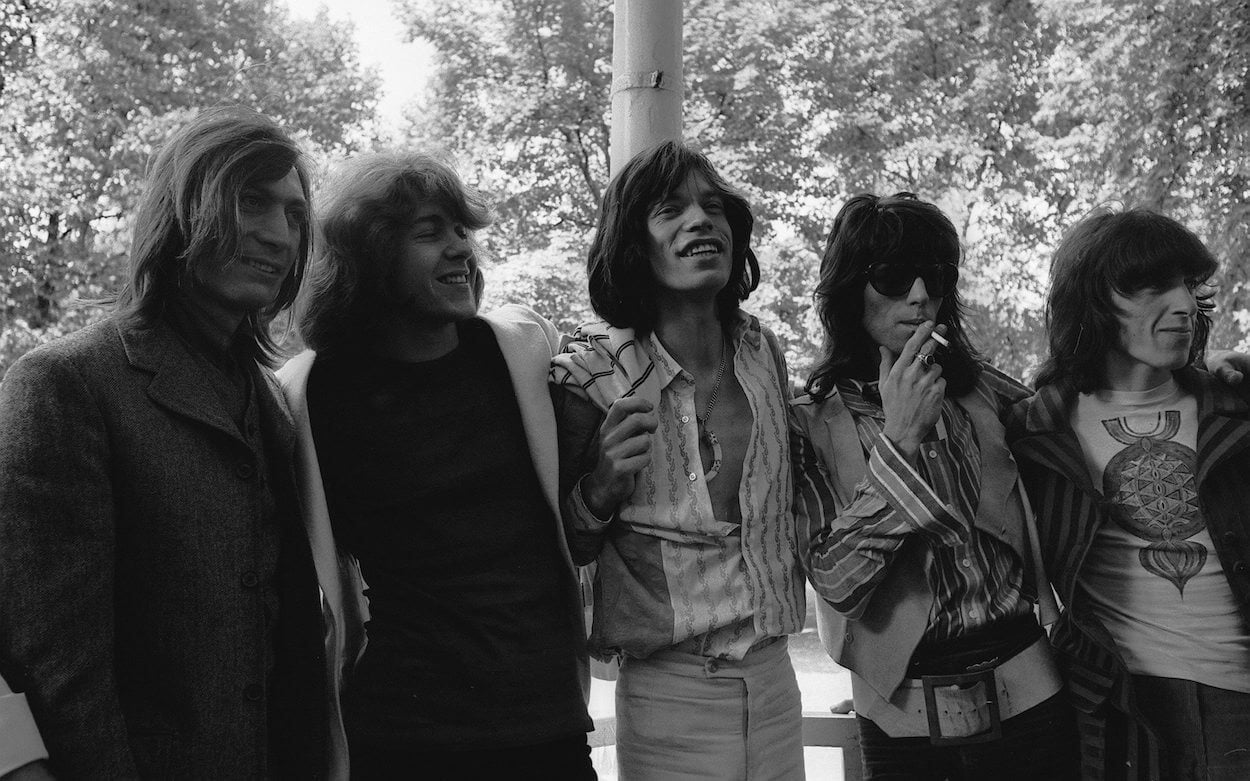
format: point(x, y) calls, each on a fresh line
point(429, 482)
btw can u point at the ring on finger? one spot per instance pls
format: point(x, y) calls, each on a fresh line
point(926, 359)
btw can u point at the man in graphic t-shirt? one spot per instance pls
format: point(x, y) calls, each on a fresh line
point(1139, 463)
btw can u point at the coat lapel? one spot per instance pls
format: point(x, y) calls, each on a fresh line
point(846, 461)
point(1049, 441)
point(275, 415)
point(177, 383)
point(527, 351)
point(1223, 427)
point(998, 473)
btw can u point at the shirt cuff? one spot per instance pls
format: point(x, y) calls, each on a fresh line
point(583, 518)
point(908, 493)
point(20, 742)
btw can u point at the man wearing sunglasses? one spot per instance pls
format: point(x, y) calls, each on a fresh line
point(917, 532)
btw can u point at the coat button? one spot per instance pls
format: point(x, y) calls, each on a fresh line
point(250, 579)
point(245, 471)
point(253, 692)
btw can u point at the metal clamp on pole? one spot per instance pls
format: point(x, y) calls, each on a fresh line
point(641, 80)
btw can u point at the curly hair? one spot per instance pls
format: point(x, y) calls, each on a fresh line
point(619, 266)
point(872, 229)
point(368, 205)
point(1122, 252)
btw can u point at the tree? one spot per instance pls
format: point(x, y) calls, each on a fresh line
point(1015, 116)
point(102, 82)
point(521, 97)
point(799, 103)
point(1147, 105)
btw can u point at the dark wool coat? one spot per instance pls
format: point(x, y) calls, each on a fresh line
point(1070, 511)
point(142, 585)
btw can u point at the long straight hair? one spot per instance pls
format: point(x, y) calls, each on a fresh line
point(189, 213)
point(871, 229)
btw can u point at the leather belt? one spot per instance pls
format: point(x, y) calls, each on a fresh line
point(969, 707)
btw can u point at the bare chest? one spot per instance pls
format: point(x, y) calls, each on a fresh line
point(723, 443)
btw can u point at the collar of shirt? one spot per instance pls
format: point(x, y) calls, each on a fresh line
point(744, 330)
point(862, 398)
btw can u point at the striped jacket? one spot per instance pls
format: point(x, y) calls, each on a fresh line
point(1069, 513)
point(837, 488)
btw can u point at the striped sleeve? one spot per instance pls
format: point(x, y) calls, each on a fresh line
point(890, 474)
point(849, 549)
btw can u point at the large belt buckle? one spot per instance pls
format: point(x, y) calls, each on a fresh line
point(962, 708)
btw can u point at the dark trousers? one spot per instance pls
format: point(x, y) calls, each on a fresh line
point(1037, 745)
point(1204, 732)
point(567, 759)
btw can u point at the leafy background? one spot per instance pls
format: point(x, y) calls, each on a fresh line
point(1016, 116)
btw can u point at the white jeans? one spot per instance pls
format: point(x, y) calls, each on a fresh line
point(682, 716)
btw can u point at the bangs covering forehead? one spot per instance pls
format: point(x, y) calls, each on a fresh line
point(268, 164)
point(1152, 251)
point(271, 166)
point(253, 162)
point(912, 236)
point(439, 184)
point(671, 173)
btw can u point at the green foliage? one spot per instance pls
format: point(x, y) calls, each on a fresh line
point(89, 91)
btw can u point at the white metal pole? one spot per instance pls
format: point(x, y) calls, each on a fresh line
point(647, 78)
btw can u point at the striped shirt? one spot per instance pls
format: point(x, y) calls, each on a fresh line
point(669, 573)
point(975, 578)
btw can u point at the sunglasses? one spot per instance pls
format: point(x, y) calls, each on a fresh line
point(896, 279)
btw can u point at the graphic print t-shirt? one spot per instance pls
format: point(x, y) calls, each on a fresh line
point(1152, 576)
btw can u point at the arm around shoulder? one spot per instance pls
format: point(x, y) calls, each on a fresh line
point(577, 421)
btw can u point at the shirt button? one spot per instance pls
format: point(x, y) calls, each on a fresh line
point(253, 692)
point(973, 613)
point(712, 665)
point(966, 562)
point(693, 477)
point(685, 418)
point(932, 454)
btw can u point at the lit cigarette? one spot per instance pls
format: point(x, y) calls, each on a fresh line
point(937, 337)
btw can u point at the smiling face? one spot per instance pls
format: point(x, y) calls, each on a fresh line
point(272, 218)
point(691, 243)
point(1156, 332)
point(891, 320)
point(432, 272)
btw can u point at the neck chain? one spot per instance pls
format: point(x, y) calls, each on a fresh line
point(706, 435)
